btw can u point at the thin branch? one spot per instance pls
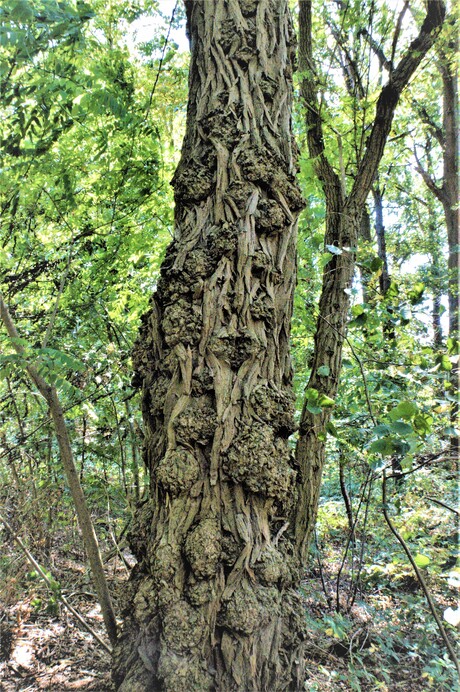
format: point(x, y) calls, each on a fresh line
point(398, 31)
point(54, 591)
point(378, 50)
point(419, 575)
point(160, 65)
point(428, 180)
point(443, 504)
point(389, 96)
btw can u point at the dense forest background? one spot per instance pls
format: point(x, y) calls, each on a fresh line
point(92, 104)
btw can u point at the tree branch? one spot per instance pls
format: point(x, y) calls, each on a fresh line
point(389, 97)
point(315, 137)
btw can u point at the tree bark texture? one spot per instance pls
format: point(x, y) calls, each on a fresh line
point(343, 223)
point(212, 603)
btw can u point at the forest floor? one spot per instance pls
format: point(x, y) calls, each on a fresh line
point(384, 640)
point(42, 645)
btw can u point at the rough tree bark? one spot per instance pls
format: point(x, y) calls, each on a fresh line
point(212, 603)
point(343, 220)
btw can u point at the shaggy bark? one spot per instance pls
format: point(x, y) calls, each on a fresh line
point(212, 603)
point(343, 220)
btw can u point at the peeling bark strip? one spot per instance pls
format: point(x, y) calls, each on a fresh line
point(212, 603)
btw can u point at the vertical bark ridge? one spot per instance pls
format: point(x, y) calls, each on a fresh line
point(211, 604)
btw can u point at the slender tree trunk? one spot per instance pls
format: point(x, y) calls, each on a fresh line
point(384, 278)
point(365, 237)
point(448, 194)
point(50, 394)
point(450, 202)
point(343, 221)
point(436, 249)
point(212, 603)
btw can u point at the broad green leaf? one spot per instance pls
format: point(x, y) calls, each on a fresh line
point(311, 394)
point(401, 428)
point(376, 264)
point(405, 410)
point(314, 409)
point(325, 259)
point(421, 560)
point(381, 430)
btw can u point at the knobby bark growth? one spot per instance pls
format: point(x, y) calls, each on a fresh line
point(212, 603)
point(343, 220)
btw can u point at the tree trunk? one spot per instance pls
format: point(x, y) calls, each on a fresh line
point(450, 202)
point(384, 278)
point(448, 194)
point(212, 603)
point(343, 221)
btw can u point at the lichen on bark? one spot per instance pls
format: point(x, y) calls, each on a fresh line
point(211, 604)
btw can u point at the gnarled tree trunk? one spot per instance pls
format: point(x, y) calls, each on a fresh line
point(212, 603)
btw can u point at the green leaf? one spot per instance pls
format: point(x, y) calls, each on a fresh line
point(401, 428)
point(325, 258)
point(423, 423)
point(314, 409)
point(326, 401)
point(405, 410)
point(22, 11)
point(416, 293)
point(311, 394)
point(317, 240)
point(381, 430)
point(453, 346)
point(332, 430)
point(421, 560)
point(376, 264)
point(383, 446)
point(444, 361)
